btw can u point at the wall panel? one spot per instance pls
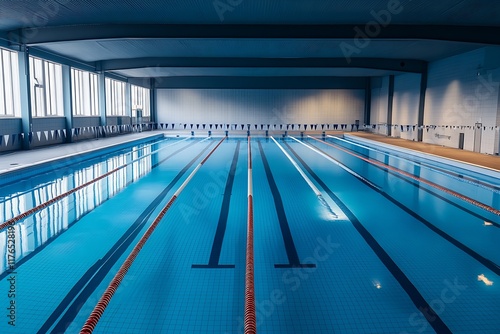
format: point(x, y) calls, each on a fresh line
point(260, 106)
point(460, 93)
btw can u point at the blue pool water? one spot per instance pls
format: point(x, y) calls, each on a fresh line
point(377, 252)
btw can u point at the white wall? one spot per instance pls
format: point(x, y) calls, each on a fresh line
point(457, 97)
point(497, 129)
point(260, 106)
point(379, 104)
point(405, 105)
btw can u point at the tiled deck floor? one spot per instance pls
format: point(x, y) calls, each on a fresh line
point(19, 159)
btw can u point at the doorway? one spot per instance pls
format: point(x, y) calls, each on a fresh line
point(478, 130)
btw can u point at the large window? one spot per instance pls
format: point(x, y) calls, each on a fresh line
point(46, 88)
point(140, 100)
point(84, 93)
point(115, 97)
point(10, 102)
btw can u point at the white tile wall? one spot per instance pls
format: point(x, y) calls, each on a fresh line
point(380, 91)
point(260, 106)
point(457, 97)
point(405, 105)
point(497, 129)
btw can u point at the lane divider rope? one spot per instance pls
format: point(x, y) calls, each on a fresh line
point(44, 205)
point(416, 178)
point(250, 320)
point(99, 309)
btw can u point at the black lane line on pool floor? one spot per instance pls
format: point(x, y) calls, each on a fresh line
point(469, 251)
point(291, 251)
point(414, 183)
point(75, 299)
point(213, 262)
point(418, 300)
point(54, 237)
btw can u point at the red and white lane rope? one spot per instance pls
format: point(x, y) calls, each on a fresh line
point(416, 178)
point(44, 205)
point(250, 320)
point(99, 309)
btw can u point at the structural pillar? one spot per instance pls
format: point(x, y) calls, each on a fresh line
point(128, 101)
point(67, 101)
point(25, 94)
point(152, 102)
point(389, 105)
point(368, 101)
point(101, 83)
point(421, 104)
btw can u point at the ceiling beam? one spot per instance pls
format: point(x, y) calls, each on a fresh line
point(260, 82)
point(4, 39)
point(36, 52)
point(402, 65)
point(360, 33)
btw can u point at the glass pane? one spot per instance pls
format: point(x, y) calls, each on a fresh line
point(16, 87)
point(95, 96)
point(58, 91)
point(46, 88)
point(108, 96)
point(3, 111)
point(140, 100)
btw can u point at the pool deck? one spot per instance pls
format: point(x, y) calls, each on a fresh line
point(480, 159)
point(18, 159)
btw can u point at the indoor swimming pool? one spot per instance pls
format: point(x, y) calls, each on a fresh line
point(348, 238)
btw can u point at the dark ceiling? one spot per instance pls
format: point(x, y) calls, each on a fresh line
point(244, 38)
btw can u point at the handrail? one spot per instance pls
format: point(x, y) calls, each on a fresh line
point(99, 309)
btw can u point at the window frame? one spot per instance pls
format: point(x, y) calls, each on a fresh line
point(47, 96)
point(10, 89)
point(115, 98)
point(84, 93)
